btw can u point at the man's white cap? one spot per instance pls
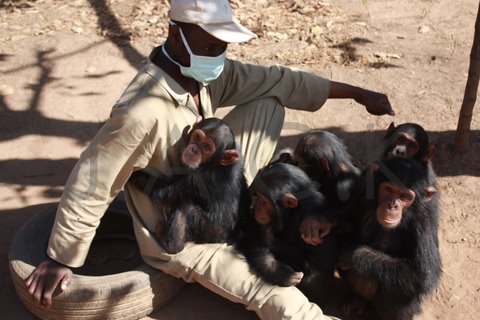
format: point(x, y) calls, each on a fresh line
point(213, 16)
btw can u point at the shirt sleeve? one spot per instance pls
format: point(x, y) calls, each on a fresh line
point(120, 146)
point(241, 83)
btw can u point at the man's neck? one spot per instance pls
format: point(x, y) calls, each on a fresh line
point(190, 85)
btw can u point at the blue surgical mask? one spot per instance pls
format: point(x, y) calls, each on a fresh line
point(202, 68)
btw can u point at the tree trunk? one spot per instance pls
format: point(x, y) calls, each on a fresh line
point(463, 128)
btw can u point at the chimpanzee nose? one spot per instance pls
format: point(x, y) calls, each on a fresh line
point(195, 149)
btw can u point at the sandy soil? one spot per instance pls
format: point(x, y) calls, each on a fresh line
point(64, 63)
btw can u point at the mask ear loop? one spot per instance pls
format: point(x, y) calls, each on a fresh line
point(185, 42)
point(171, 23)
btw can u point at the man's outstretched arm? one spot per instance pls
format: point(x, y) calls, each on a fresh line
point(376, 103)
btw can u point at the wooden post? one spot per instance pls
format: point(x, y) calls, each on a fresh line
point(462, 137)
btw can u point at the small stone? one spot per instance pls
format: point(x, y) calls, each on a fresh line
point(139, 24)
point(6, 90)
point(153, 20)
point(384, 55)
point(77, 29)
point(317, 31)
point(424, 29)
point(90, 69)
point(277, 35)
point(381, 55)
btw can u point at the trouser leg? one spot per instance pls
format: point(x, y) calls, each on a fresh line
point(257, 126)
point(221, 269)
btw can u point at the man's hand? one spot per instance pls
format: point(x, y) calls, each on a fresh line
point(375, 103)
point(45, 278)
point(313, 230)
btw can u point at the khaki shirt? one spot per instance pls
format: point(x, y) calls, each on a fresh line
point(144, 131)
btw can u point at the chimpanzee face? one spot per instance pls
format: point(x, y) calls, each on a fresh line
point(408, 140)
point(300, 162)
point(199, 150)
point(317, 168)
point(392, 200)
point(263, 209)
point(404, 146)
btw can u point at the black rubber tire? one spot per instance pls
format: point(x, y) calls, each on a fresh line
point(126, 295)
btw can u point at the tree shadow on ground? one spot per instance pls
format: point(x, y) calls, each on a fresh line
point(112, 29)
point(17, 123)
point(16, 4)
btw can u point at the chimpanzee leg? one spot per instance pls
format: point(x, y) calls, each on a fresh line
point(324, 256)
point(395, 307)
point(257, 126)
point(322, 260)
point(175, 232)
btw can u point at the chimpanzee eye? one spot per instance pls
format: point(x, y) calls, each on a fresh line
point(412, 145)
point(206, 147)
point(401, 140)
point(388, 189)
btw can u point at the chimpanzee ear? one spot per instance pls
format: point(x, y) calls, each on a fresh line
point(430, 192)
point(390, 129)
point(431, 150)
point(323, 162)
point(289, 200)
point(229, 157)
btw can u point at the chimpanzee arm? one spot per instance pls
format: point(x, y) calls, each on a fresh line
point(349, 196)
point(397, 274)
point(255, 247)
point(274, 271)
point(148, 183)
point(427, 256)
point(162, 188)
point(343, 203)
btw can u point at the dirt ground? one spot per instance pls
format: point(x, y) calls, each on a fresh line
point(64, 63)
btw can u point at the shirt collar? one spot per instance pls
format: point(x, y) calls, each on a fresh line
point(172, 87)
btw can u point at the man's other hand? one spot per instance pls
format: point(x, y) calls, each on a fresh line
point(45, 278)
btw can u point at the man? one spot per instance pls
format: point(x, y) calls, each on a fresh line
point(185, 78)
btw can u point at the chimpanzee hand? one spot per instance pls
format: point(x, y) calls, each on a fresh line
point(313, 230)
point(45, 278)
point(376, 103)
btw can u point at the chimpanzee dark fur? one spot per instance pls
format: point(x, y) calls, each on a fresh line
point(393, 269)
point(205, 202)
